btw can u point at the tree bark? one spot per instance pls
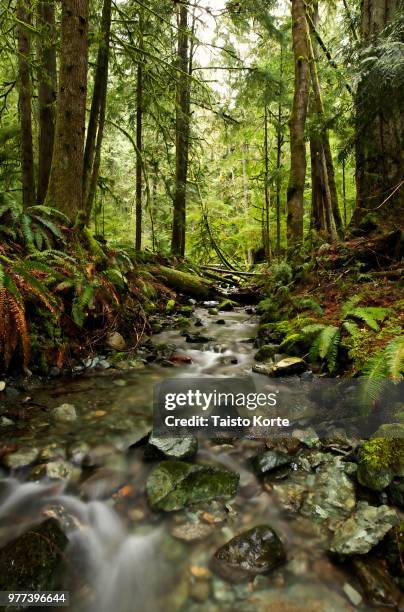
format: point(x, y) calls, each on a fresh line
point(139, 147)
point(47, 86)
point(379, 134)
point(65, 182)
point(24, 14)
point(297, 123)
point(266, 232)
point(182, 134)
point(96, 120)
point(325, 141)
point(279, 144)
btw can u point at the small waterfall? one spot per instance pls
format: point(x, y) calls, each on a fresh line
point(118, 568)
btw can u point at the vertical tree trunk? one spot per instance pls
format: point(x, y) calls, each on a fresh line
point(318, 221)
point(379, 134)
point(47, 86)
point(96, 120)
point(24, 10)
point(139, 145)
point(295, 194)
point(318, 103)
point(182, 134)
point(65, 182)
point(267, 241)
point(279, 143)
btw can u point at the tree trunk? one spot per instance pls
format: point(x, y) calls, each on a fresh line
point(279, 143)
point(379, 134)
point(182, 134)
point(266, 233)
point(318, 103)
point(318, 221)
point(139, 146)
point(65, 182)
point(47, 86)
point(24, 103)
point(295, 195)
point(96, 120)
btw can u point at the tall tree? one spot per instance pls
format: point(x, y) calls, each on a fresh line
point(24, 15)
point(65, 182)
point(295, 192)
point(47, 86)
point(139, 141)
point(95, 129)
point(182, 126)
point(379, 137)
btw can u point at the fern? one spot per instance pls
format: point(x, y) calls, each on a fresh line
point(370, 315)
point(384, 365)
point(394, 354)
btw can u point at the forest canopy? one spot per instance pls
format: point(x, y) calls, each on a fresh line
point(225, 130)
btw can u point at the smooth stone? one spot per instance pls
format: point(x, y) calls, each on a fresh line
point(116, 341)
point(197, 338)
point(56, 470)
point(21, 458)
point(172, 485)
point(286, 366)
point(270, 461)
point(256, 551)
point(172, 448)
point(2, 385)
point(78, 452)
point(354, 597)
point(220, 322)
point(5, 422)
point(363, 530)
point(65, 413)
point(192, 532)
point(374, 478)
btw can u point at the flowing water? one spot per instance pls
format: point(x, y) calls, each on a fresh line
point(121, 556)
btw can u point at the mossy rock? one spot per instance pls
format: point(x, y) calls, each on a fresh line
point(227, 305)
point(172, 485)
point(266, 352)
point(32, 561)
point(380, 459)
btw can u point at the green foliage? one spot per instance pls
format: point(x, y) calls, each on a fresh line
point(307, 303)
point(386, 364)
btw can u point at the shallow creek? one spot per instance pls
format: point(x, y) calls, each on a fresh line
point(123, 557)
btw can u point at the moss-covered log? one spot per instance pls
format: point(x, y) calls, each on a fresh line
point(183, 282)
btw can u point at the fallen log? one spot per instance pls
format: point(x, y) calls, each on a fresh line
point(183, 282)
point(231, 272)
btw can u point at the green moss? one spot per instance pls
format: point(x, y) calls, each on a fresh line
point(383, 453)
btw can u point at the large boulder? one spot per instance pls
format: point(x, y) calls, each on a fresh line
point(172, 485)
point(288, 366)
point(256, 551)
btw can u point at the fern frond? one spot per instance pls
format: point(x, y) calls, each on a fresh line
point(314, 328)
point(394, 355)
point(351, 327)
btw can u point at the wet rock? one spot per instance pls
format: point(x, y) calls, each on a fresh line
point(395, 492)
point(198, 323)
point(290, 495)
point(172, 448)
point(116, 341)
point(227, 305)
point(220, 322)
point(307, 436)
point(331, 494)
point(54, 372)
point(354, 597)
point(228, 360)
point(266, 335)
point(56, 470)
point(175, 484)
point(5, 422)
point(210, 304)
point(287, 366)
point(377, 585)
point(374, 478)
point(21, 458)
point(269, 461)
point(192, 532)
point(77, 452)
point(65, 413)
point(363, 530)
point(307, 376)
point(197, 338)
point(32, 560)
point(2, 385)
point(51, 452)
point(283, 444)
point(179, 358)
point(256, 551)
point(266, 352)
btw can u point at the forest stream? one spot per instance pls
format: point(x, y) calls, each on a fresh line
point(122, 556)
